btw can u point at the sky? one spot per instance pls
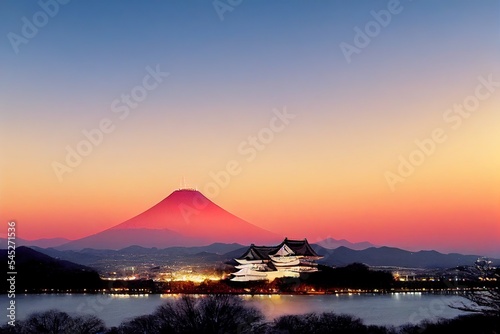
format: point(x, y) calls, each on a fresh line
point(365, 120)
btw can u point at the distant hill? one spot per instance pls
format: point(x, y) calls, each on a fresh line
point(97, 257)
point(390, 256)
point(220, 252)
point(331, 243)
point(121, 238)
point(36, 271)
point(236, 253)
point(44, 243)
point(83, 257)
point(216, 248)
point(184, 218)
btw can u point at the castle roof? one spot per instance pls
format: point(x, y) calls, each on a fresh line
point(286, 247)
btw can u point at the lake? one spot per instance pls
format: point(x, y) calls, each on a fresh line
point(389, 309)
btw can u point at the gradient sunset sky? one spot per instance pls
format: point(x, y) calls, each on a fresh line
point(324, 174)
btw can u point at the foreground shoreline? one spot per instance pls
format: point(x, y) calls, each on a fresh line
point(450, 291)
point(388, 313)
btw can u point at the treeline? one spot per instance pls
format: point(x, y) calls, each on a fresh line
point(39, 273)
point(355, 276)
point(327, 279)
point(229, 314)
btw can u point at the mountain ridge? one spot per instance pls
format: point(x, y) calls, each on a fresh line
point(392, 256)
point(331, 243)
point(341, 256)
point(184, 218)
point(39, 270)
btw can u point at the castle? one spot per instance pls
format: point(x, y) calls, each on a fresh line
point(288, 259)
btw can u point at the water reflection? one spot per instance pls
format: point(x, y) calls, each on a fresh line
point(390, 309)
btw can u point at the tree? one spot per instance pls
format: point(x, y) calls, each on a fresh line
point(324, 323)
point(210, 314)
point(52, 321)
point(227, 314)
point(485, 301)
point(87, 324)
point(142, 324)
point(57, 322)
point(464, 324)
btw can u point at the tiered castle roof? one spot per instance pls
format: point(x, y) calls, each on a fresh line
point(288, 259)
point(300, 248)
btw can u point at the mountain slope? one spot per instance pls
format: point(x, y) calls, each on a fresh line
point(39, 271)
point(121, 238)
point(184, 218)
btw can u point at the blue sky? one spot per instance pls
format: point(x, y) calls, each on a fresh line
point(226, 76)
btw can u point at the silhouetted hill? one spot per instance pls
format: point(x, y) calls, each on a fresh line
point(37, 271)
point(390, 256)
point(134, 255)
point(341, 256)
point(116, 238)
point(236, 253)
point(331, 243)
point(216, 248)
point(134, 249)
point(80, 257)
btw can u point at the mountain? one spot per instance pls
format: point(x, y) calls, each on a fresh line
point(96, 257)
point(184, 218)
point(330, 243)
point(82, 257)
point(44, 243)
point(38, 271)
point(215, 248)
point(107, 260)
point(120, 238)
point(390, 256)
point(214, 254)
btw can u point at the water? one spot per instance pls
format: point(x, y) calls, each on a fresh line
point(391, 309)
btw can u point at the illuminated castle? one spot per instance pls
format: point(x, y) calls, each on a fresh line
point(288, 259)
